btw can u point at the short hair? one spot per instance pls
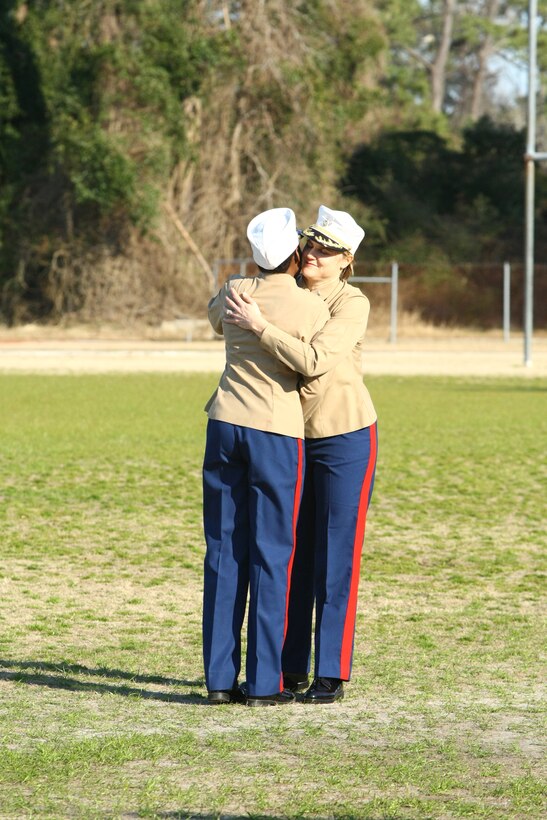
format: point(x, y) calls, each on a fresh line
point(282, 267)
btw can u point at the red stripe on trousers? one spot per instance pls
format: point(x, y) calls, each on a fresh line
point(349, 624)
point(296, 508)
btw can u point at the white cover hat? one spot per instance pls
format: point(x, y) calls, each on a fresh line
point(336, 229)
point(273, 237)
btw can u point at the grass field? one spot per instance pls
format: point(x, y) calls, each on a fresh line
point(102, 702)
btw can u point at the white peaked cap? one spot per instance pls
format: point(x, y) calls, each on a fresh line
point(273, 237)
point(336, 229)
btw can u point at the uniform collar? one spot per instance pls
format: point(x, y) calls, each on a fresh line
point(280, 277)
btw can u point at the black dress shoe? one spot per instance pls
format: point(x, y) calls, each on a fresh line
point(295, 681)
point(218, 696)
point(278, 699)
point(325, 690)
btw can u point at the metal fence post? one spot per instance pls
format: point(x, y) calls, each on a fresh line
point(506, 301)
point(394, 296)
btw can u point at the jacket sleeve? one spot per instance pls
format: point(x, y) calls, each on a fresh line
point(312, 391)
point(215, 310)
point(335, 340)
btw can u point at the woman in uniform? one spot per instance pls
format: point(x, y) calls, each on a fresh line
point(341, 447)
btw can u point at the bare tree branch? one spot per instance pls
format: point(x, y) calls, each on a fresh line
point(171, 213)
point(438, 72)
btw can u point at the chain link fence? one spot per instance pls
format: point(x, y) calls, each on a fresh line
point(467, 295)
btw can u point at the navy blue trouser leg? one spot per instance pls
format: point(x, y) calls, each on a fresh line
point(252, 486)
point(226, 566)
point(338, 487)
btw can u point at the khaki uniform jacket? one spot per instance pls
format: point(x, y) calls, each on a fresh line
point(337, 402)
point(256, 389)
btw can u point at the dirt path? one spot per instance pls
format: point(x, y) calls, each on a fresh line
point(479, 355)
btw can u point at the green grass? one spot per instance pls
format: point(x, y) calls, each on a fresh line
point(102, 701)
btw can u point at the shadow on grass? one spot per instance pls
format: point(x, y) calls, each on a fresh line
point(38, 677)
point(99, 672)
point(184, 815)
point(187, 815)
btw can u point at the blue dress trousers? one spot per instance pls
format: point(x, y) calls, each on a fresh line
point(252, 486)
point(338, 486)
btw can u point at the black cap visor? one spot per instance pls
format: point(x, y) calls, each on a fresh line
point(314, 233)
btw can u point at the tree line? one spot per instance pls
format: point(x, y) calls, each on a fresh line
point(137, 138)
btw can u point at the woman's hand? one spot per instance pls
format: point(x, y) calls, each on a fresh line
point(243, 311)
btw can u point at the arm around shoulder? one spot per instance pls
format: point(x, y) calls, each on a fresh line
point(346, 325)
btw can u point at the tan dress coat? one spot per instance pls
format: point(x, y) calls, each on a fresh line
point(337, 402)
point(256, 389)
